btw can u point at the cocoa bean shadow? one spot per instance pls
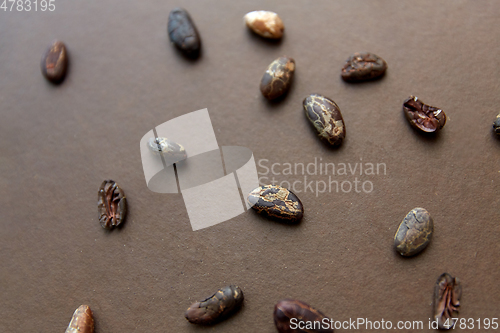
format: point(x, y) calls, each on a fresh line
point(96, 320)
point(328, 147)
point(431, 137)
point(220, 323)
point(496, 137)
point(187, 57)
point(274, 103)
point(364, 82)
point(255, 38)
point(264, 219)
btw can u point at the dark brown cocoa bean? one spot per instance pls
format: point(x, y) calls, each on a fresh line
point(278, 78)
point(216, 307)
point(447, 294)
point(414, 232)
point(54, 62)
point(363, 66)
point(276, 202)
point(325, 115)
point(422, 116)
point(291, 314)
point(183, 33)
point(111, 204)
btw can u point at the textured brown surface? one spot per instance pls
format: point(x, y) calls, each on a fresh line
point(60, 142)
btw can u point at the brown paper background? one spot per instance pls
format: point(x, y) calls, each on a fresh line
point(59, 142)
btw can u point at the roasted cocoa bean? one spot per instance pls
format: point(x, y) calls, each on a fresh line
point(111, 204)
point(264, 23)
point(422, 116)
point(216, 307)
point(447, 294)
point(277, 78)
point(82, 321)
point(363, 66)
point(183, 33)
point(414, 232)
point(171, 151)
point(325, 115)
point(54, 64)
point(303, 315)
point(276, 202)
